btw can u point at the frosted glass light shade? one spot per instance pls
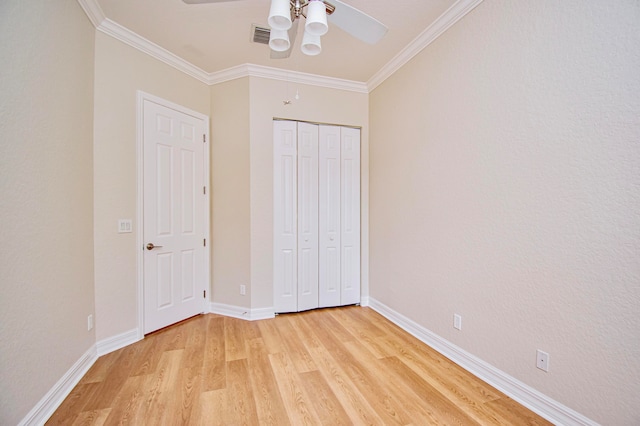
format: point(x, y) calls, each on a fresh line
point(279, 15)
point(316, 18)
point(279, 40)
point(311, 44)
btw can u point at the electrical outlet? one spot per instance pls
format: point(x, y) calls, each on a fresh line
point(457, 321)
point(542, 360)
point(89, 322)
point(243, 289)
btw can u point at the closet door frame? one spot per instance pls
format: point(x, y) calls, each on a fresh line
point(316, 196)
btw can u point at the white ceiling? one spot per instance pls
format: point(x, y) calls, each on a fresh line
point(215, 37)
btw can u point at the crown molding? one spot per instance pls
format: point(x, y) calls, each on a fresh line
point(251, 70)
point(93, 11)
point(127, 36)
point(456, 12)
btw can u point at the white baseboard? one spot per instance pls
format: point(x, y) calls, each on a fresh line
point(52, 400)
point(534, 400)
point(242, 313)
point(119, 341)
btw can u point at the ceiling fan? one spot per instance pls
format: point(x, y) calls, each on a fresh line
point(318, 13)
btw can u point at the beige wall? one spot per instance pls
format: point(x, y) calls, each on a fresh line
point(505, 187)
point(46, 255)
point(315, 104)
point(230, 210)
point(120, 72)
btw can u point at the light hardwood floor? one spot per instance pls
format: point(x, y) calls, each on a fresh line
point(325, 367)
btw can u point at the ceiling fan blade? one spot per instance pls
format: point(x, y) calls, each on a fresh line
point(357, 23)
point(205, 1)
point(293, 31)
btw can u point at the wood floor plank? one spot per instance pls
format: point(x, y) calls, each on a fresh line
point(327, 405)
point(438, 406)
point(92, 418)
point(214, 369)
point(356, 405)
point(234, 339)
point(382, 402)
point(508, 411)
point(118, 374)
point(332, 366)
point(294, 345)
point(297, 403)
point(74, 404)
point(163, 396)
point(213, 409)
point(131, 402)
point(240, 396)
point(266, 394)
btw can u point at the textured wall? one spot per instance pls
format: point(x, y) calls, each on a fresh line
point(120, 71)
point(230, 210)
point(505, 187)
point(46, 255)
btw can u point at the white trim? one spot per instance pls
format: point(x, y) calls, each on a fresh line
point(117, 31)
point(140, 98)
point(93, 11)
point(242, 313)
point(537, 402)
point(56, 395)
point(132, 39)
point(119, 341)
point(251, 70)
point(456, 12)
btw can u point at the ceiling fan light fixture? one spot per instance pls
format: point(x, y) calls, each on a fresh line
point(279, 40)
point(311, 44)
point(279, 15)
point(316, 18)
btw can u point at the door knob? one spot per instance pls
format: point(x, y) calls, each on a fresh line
point(331, 238)
point(150, 246)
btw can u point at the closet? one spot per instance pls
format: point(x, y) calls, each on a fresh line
point(316, 227)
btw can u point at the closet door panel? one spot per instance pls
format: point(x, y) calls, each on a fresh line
point(285, 201)
point(307, 216)
point(350, 216)
point(329, 216)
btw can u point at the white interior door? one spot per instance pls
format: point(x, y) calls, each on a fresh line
point(285, 201)
point(307, 216)
point(350, 216)
point(174, 216)
point(329, 220)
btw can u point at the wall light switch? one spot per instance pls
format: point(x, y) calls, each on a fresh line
point(125, 226)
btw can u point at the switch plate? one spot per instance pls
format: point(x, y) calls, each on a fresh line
point(125, 226)
point(457, 322)
point(243, 289)
point(89, 322)
point(542, 360)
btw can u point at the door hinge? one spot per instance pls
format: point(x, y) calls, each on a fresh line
point(204, 294)
point(204, 242)
point(204, 138)
point(204, 190)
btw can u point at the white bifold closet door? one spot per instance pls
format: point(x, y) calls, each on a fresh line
point(316, 216)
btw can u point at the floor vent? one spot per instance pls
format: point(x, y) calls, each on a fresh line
point(260, 34)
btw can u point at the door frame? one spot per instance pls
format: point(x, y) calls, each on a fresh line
point(141, 97)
